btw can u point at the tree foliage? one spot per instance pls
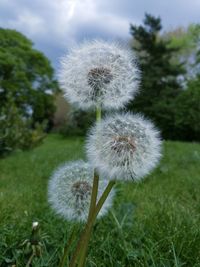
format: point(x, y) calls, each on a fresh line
point(27, 89)
point(159, 79)
point(27, 76)
point(187, 116)
point(187, 40)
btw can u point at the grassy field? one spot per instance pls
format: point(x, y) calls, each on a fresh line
point(153, 223)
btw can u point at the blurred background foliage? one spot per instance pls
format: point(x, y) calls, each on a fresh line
point(77, 122)
point(17, 132)
point(168, 63)
point(31, 103)
point(27, 92)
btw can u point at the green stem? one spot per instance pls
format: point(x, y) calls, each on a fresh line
point(80, 244)
point(81, 248)
point(66, 249)
point(98, 208)
point(85, 248)
point(103, 197)
point(91, 211)
point(87, 237)
point(84, 240)
point(98, 113)
point(94, 195)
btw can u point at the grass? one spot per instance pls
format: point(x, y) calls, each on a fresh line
point(153, 223)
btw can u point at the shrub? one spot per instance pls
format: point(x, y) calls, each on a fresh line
point(16, 131)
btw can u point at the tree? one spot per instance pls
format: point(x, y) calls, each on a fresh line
point(187, 40)
point(159, 79)
point(27, 91)
point(26, 76)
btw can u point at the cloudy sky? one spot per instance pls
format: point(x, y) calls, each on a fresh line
point(55, 25)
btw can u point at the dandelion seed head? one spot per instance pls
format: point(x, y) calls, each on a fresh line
point(124, 146)
point(99, 73)
point(70, 189)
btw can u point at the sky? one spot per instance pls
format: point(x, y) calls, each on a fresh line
point(56, 25)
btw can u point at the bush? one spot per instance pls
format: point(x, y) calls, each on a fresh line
point(16, 131)
point(187, 115)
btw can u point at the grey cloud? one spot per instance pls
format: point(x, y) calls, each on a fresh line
point(173, 13)
point(55, 25)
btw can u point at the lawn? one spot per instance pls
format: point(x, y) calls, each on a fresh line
point(153, 223)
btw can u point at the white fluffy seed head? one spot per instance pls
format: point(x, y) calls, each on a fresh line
point(124, 146)
point(99, 73)
point(70, 188)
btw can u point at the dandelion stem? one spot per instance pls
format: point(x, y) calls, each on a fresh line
point(80, 244)
point(98, 208)
point(91, 212)
point(92, 207)
point(84, 239)
point(103, 197)
point(94, 195)
point(98, 113)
